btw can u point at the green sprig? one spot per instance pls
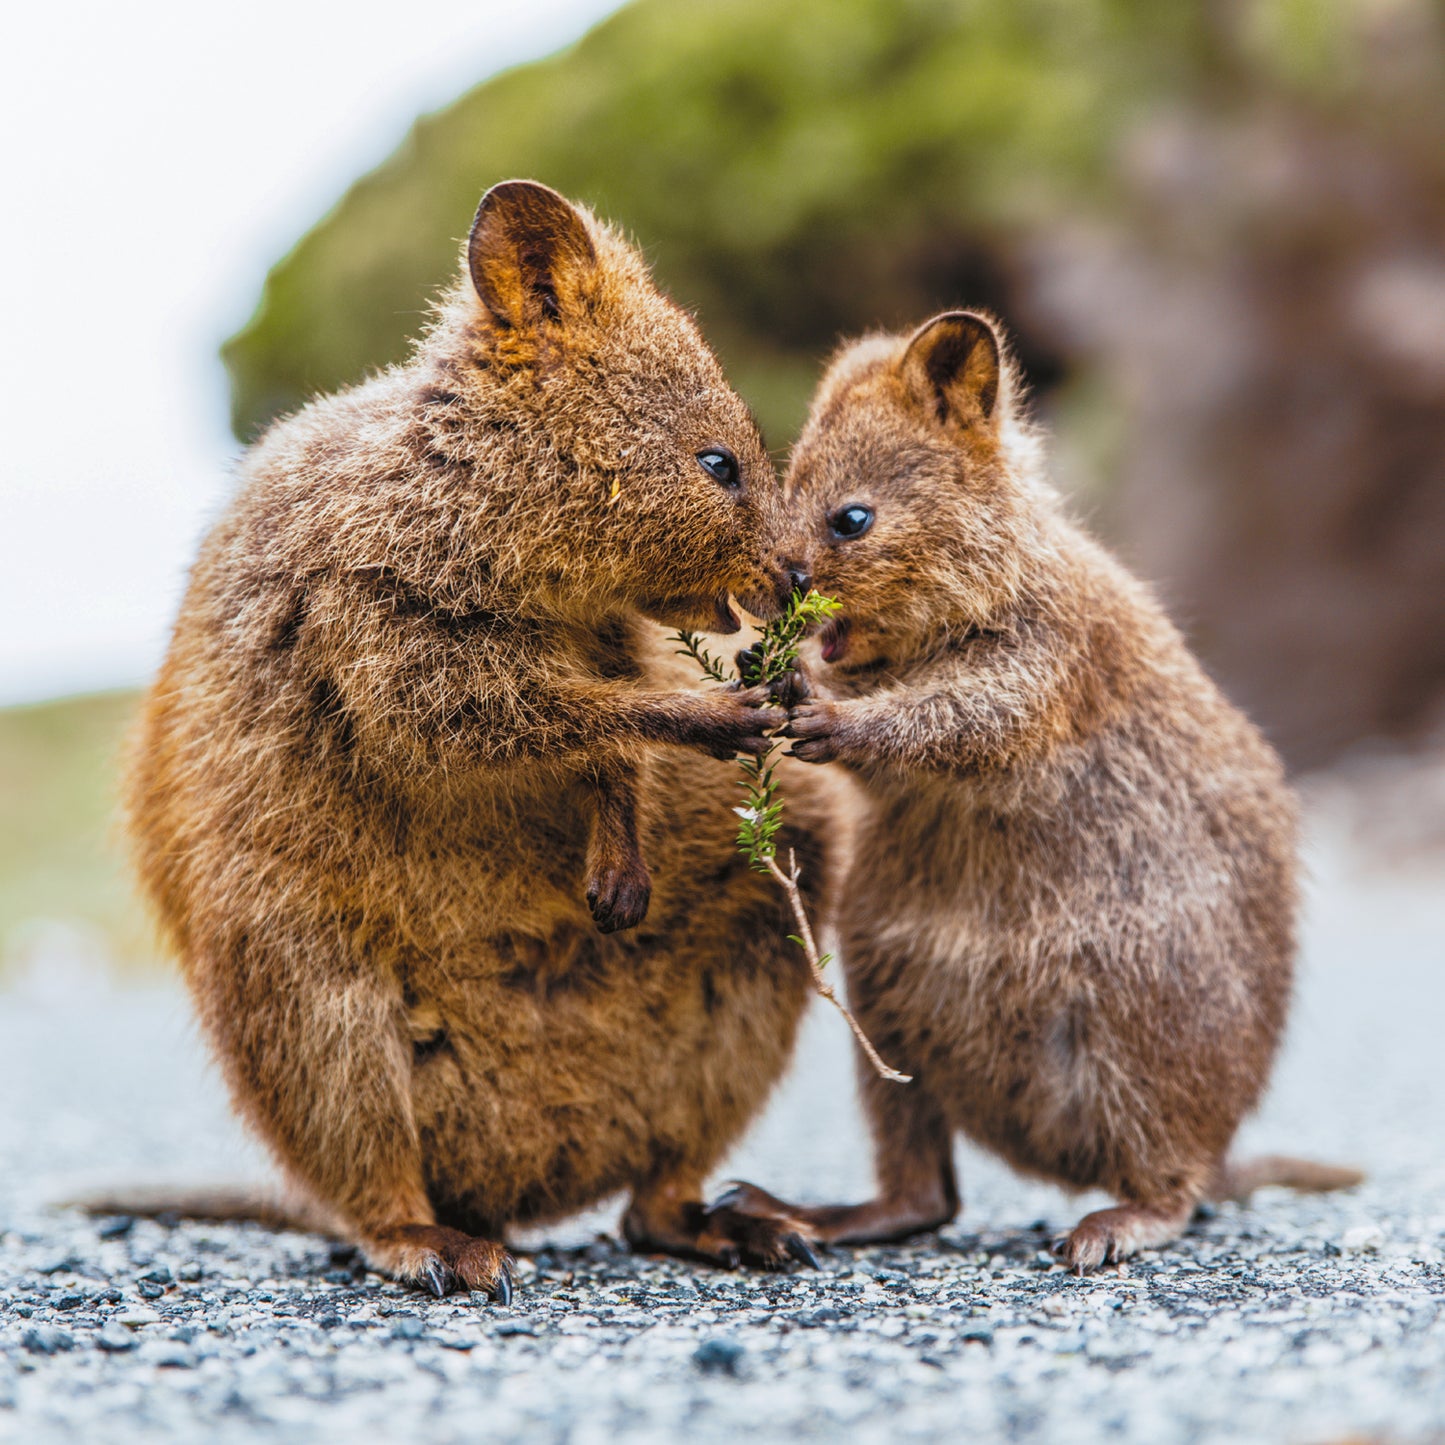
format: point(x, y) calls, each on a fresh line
point(693, 647)
point(769, 660)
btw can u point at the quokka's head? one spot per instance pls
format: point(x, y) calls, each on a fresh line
point(649, 485)
point(909, 487)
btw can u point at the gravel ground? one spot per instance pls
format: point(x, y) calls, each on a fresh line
point(1304, 1320)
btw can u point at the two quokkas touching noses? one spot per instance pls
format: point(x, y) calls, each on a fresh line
point(1072, 907)
point(439, 829)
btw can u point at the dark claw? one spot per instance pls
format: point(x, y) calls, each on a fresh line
point(801, 1250)
point(747, 660)
point(438, 1278)
point(727, 1198)
point(502, 1290)
point(729, 1257)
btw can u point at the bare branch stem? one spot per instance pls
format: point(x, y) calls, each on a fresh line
point(788, 882)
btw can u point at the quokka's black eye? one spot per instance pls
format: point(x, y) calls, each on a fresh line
point(851, 521)
point(722, 466)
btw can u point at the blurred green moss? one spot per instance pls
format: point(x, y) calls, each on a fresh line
point(795, 172)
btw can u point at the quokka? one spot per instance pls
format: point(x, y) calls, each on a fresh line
point(1072, 910)
point(404, 758)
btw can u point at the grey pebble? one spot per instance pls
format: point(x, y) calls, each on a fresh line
point(116, 1339)
point(46, 1340)
point(719, 1357)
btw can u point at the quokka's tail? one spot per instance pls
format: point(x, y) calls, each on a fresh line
point(273, 1207)
point(1238, 1179)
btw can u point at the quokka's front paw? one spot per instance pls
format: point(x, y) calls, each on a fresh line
point(816, 729)
point(787, 691)
point(739, 722)
point(618, 895)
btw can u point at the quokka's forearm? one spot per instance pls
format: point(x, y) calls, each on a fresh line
point(494, 724)
point(975, 718)
point(427, 696)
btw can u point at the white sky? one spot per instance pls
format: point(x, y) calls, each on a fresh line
point(158, 156)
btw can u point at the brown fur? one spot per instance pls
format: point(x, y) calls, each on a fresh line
point(413, 712)
point(1072, 912)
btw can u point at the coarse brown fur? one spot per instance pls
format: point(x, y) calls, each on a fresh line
point(413, 712)
point(1072, 911)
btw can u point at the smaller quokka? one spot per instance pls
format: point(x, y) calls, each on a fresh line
point(1071, 914)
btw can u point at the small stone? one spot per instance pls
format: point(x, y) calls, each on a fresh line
point(1362, 1239)
point(136, 1317)
point(57, 1264)
point(158, 1274)
point(718, 1357)
point(189, 1273)
point(146, 1290)
point(114, 1226)
point(979, 1335)
point(46, 1340)
point(69, 1301)
point(407, 1327)
point(115, 1339)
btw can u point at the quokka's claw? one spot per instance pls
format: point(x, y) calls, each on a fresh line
point(438, 1278)
point(502, 1290)
point(801, 1250)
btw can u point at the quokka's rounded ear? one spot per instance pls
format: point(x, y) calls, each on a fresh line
point(954, 366)
point(528, 252)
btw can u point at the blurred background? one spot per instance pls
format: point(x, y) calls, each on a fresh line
point(1215, 227)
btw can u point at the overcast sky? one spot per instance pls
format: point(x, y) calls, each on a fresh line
point(158, 157)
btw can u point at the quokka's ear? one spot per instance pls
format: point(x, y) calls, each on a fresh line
point(953, 366)
point(529, 253)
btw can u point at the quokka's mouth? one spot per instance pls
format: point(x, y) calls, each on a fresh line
point(834, 638)
point(725, 615)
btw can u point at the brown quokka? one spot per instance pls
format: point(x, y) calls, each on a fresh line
point(404, 727)
point(1071, 914)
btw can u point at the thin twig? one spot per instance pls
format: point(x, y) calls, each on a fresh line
point(774, 656)
point(788, 882)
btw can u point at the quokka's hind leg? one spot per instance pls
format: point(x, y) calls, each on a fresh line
point(317, 1058)
point(1109, 1235)
point(913, 1160)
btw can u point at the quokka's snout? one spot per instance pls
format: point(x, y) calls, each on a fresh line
point(771, 591)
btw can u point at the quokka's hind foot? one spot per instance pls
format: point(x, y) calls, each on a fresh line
point(435, 1258)
point(662, 1223)
point(1109, 1235)
point(882, 1220)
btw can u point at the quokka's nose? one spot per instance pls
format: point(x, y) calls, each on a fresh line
point(800, 579)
